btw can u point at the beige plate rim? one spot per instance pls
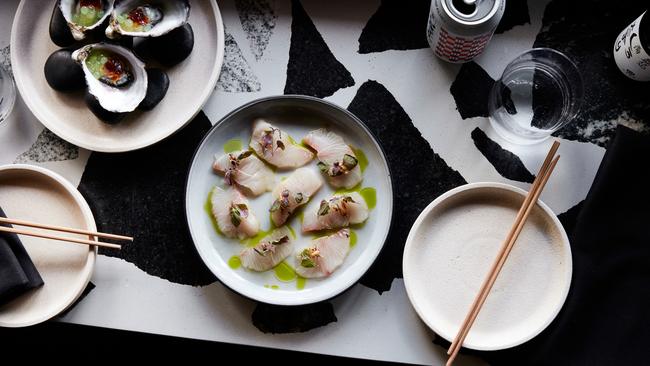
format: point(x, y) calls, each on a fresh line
point(90, 225)
point(412, 296)
point(61, 132)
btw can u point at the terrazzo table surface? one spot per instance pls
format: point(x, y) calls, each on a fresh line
point(372, 58)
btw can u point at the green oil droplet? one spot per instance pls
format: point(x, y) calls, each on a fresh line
point(361, 158)
point(369, 195)
point(232, 145)
point(284, 272)
point(234, 262)
point(300, 282)
point(353, 238)
point(253, 241)
point(275, 287)
point(208, 209)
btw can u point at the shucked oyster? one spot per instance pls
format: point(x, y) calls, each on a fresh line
point(85, 15)
point(115, 76)
point(147, 18)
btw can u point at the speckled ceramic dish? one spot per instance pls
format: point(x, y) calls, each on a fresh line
point(449, 252)
point(191, 83)
point(297, 115)
point(37, 194)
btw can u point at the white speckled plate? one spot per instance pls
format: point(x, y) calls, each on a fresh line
point(36, 194)
point(191, 83)
point(451, 247)
point(297, 115)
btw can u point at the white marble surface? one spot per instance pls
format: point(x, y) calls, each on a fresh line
point(369, 325)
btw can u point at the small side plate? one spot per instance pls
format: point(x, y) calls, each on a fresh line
point(36, 194)
point(451, 247)
point(297, 115)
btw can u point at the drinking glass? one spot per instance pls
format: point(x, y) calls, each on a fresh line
point(7, 94)
point(539, 92)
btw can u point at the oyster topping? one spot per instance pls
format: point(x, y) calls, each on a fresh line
point(140, 19)
point(109, 68)
point(88, 12)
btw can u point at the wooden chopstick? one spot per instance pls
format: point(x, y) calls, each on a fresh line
point(63, 229)
point(530, 202)
point(59, 238)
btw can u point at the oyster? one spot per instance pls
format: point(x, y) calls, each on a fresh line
point(142, 18)
point(85, 15)
point(114, 75)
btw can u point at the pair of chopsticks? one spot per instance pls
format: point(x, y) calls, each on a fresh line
point(61, 229)
point(529, 202)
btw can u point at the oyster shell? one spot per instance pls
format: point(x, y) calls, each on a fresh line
point(142, 18)
point(114, 75)
point(85, 15)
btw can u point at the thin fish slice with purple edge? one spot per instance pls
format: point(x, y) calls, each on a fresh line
point(339, 211)
point(324, 256)
point(292, 193)
point(233, 213)
point(276, 147)
point(269, 252)
point(337, 160)
point(246, 170)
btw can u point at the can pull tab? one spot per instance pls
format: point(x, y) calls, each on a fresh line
point(465, 7)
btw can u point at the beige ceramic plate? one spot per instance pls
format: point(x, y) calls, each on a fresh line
point(191, 83)
point(451, 247)
point(37, 194)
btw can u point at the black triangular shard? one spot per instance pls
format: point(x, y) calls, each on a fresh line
point(419, 174)
point(505, 162)
point(312, 69)
point(142, 193)
point(516, 13)
point(292, 319)
point(397, 25)
point(471, 90)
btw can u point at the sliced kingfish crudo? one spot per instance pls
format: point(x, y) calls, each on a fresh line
point(269, 252)
point(276, 147)
point(292, 193)
point(233, 213)
point(324, 256)
point(337, 160)
point(339, 211)
point(246, 170)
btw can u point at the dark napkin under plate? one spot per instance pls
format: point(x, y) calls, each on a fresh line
point(17, 272)
point(606, 317)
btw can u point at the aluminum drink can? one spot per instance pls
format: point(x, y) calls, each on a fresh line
point(459, 30)
point(632, 49)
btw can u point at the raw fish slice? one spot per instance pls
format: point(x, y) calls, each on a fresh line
point(277, 147)
point(233, 213)
point(324, 256)
point(337, 160)
point(293, 192)
point(245, 169)
point(269, 252)
point(337, 212)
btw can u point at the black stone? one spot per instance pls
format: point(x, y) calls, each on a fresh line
point(419, 175)
point(59, 31)
point(471, 91)
point(101, 113)
point(158, 83)
point(63, 73)
point(142, 194)
point(396, 25)
point(169, 49)
point(312, 69)
point(292, 319)
point(505, 162)
point(515, 13)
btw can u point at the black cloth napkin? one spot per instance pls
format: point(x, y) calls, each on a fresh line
point(606, 318)
point(17, 272)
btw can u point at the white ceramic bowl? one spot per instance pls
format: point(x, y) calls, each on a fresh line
point(451, 247)
point(191, 83)
point(297, 115)
point(36, 194)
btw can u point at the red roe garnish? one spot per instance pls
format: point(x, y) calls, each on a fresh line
point(139, 16)
point(97, 4)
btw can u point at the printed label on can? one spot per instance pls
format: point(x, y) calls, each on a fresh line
point(450, 46)
point(629, 55)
